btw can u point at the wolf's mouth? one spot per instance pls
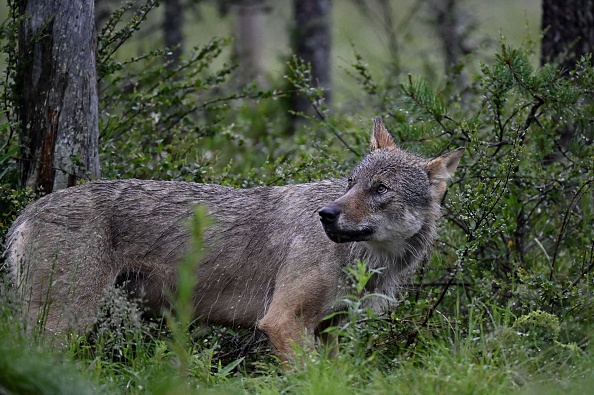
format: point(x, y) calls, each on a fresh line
point(347, 236)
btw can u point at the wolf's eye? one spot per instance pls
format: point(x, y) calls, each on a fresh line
point(381, 189)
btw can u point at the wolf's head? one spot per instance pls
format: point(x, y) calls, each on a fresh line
point(391, 195)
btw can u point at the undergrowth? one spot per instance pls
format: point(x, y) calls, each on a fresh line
point(504, 305)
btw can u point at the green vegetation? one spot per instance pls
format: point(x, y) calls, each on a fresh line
point(505, 305)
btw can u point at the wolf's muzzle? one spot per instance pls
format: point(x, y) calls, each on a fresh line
point(329, 216)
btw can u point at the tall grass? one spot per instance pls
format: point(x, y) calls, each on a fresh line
point(494, 352)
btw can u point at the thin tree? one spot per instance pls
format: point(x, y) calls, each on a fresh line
point(103, 10)
point(173, 19)
point(249, 31)
point(453, 26)
point(568, 34)
point(57, 84)
point(312, 42)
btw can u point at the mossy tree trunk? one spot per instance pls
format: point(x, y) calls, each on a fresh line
point(57, 86)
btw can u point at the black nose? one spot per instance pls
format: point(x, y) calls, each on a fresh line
point(329, 214)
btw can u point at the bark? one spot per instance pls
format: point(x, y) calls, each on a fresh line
point(312, 43)
point(173, 22)
point(57, 82)
point(568, 31)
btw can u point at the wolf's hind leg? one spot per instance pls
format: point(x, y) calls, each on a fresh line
point(65, 302)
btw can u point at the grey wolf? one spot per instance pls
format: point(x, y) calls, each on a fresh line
point(274, 257)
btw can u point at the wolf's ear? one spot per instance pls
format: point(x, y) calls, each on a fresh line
point(442, 169)
point(381, 138)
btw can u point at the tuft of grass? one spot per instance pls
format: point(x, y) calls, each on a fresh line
point(26, 368)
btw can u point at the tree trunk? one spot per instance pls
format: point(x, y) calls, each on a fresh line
point(57, 82)
point(568, 31)
point(103, 11)
point(568, 34)
point(312, 43)
point(389, 25)
point(248, 39)
point(453, 26)
point(173, 22)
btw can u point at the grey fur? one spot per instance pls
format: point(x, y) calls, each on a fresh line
point(267, 260)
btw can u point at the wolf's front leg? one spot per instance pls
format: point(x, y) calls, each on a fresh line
point(298, 305)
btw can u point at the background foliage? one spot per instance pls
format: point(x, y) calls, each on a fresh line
point(504, 305)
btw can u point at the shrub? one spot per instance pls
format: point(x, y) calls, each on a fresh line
point(517, 230)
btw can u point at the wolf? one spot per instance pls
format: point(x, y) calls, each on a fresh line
point(274, 258)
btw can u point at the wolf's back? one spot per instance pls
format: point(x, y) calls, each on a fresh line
point(70, 245)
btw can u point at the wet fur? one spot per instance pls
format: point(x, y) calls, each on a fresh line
point(267, 261)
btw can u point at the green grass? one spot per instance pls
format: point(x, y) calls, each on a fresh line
point(481, 350)
point(497, 362)
point(464, 350)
